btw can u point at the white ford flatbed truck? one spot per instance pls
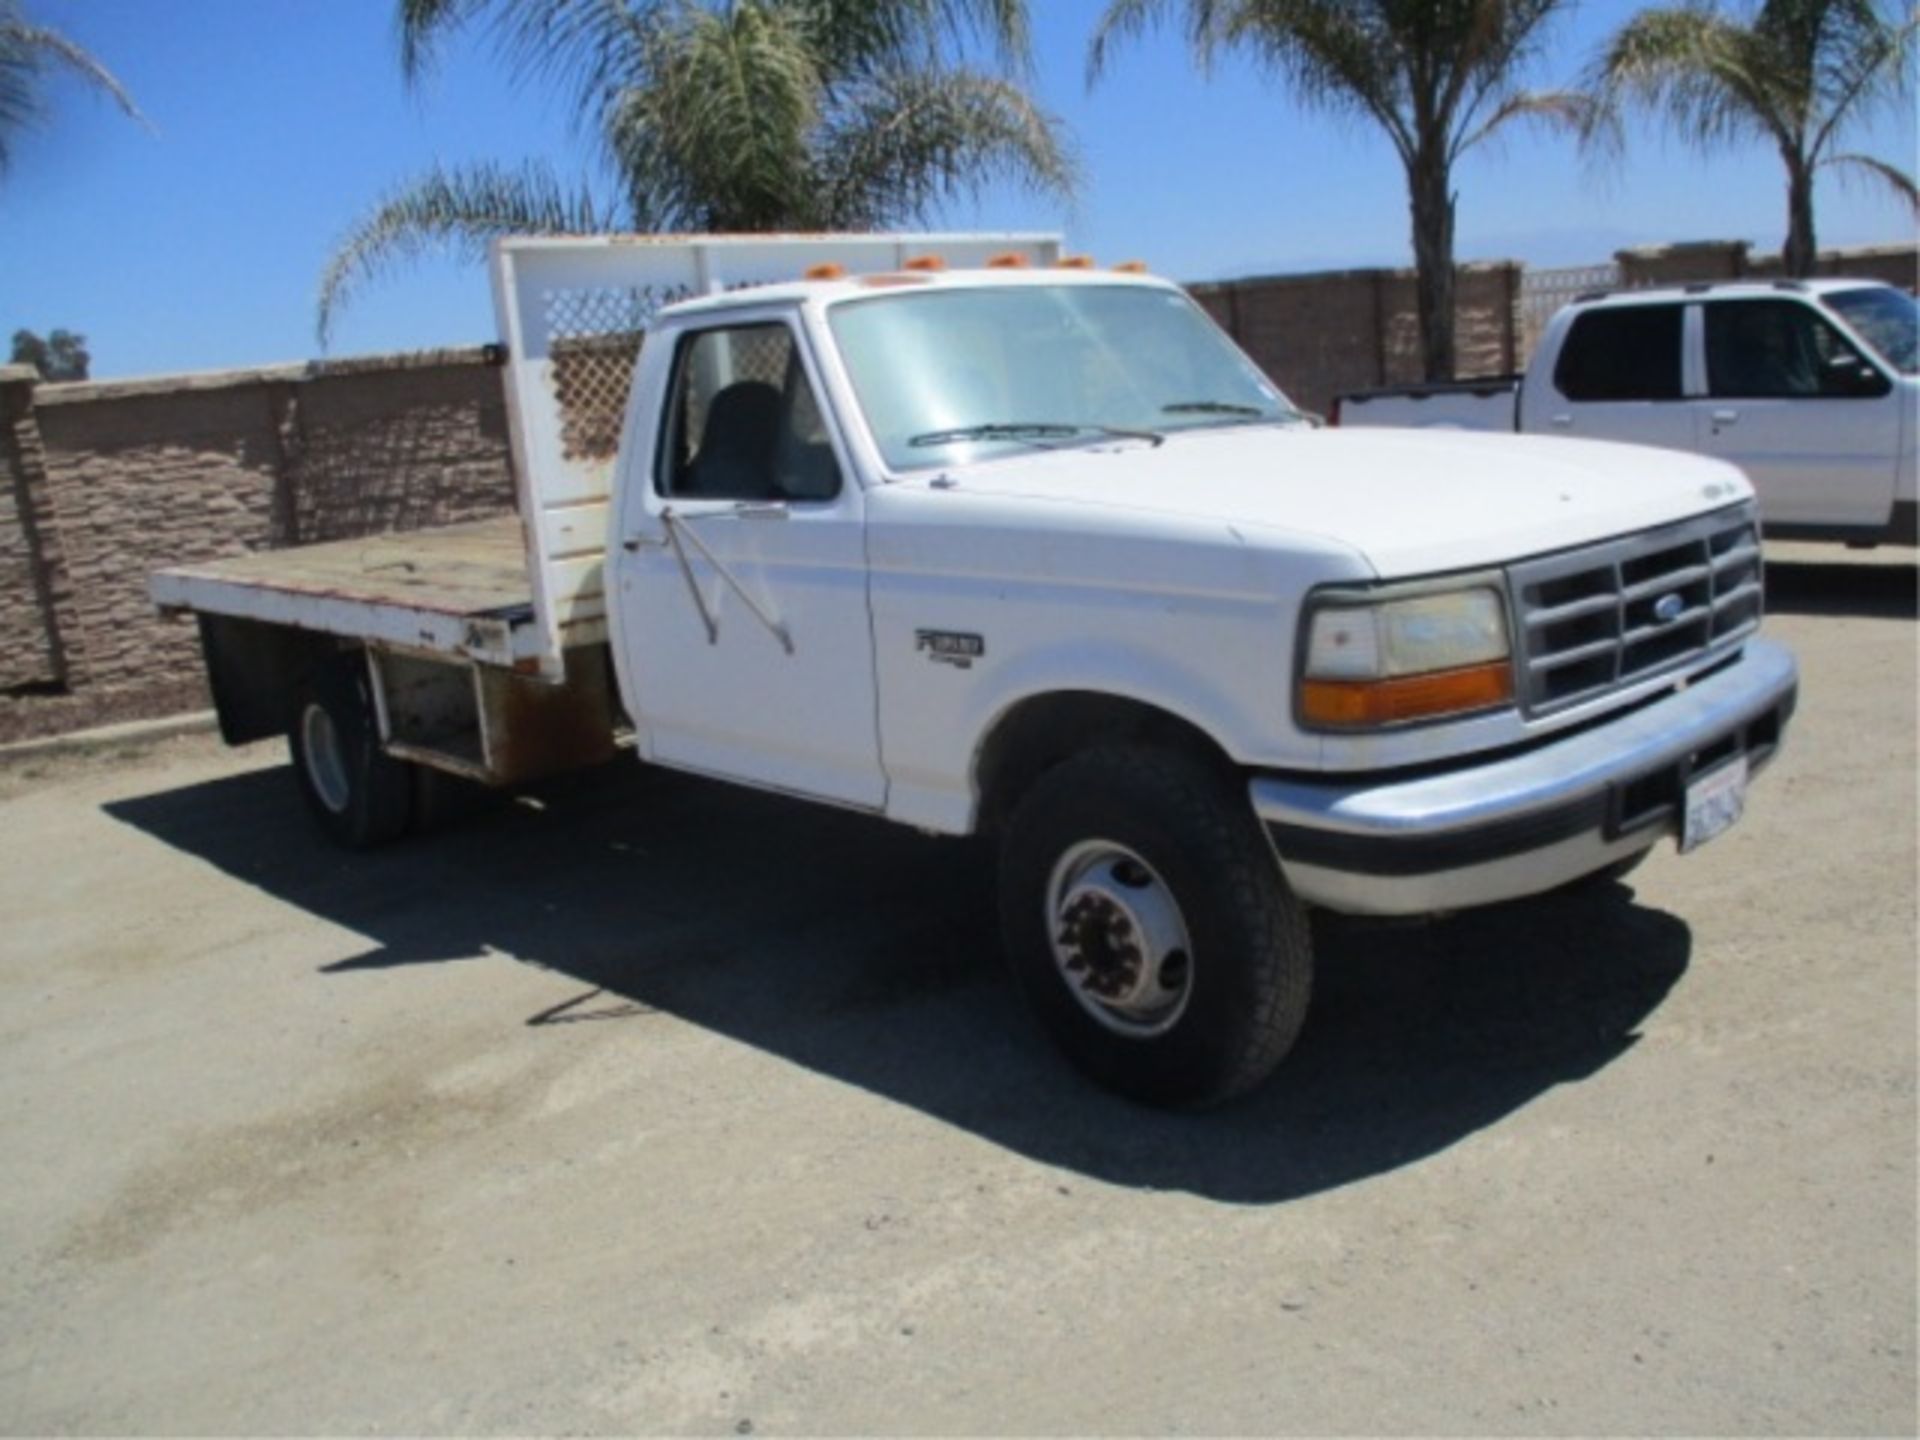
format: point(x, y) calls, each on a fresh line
point(1036, 553)
point(1811, 387)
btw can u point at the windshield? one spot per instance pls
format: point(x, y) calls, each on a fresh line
point(948, 376)
point(1886, 318)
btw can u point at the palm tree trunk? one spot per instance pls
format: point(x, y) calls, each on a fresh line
point(1802, 250)
point(1430, 186)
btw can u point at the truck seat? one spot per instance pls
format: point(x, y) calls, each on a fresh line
point(737, 443)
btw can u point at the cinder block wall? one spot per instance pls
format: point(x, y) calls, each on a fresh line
point(1735, 260)
point(128, 477)
point(1317, 335)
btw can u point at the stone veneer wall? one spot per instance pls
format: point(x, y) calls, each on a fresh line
point(114, 480)
point(1734, 260)
point(1320, 334)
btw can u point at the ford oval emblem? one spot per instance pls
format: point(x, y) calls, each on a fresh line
point(1667, 608)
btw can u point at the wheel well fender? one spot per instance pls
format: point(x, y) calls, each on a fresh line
point(1033, 735)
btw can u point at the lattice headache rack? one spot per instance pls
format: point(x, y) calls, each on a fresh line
point(595, 338)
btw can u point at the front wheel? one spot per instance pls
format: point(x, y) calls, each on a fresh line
point(1150, 928)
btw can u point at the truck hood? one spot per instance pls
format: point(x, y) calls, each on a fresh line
point(1410, 502)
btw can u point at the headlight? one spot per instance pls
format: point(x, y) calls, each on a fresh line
point(1386, 662)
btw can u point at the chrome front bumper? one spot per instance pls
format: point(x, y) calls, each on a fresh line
point(1528, 822)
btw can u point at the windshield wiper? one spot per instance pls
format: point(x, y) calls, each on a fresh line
point(1212, 407)
point(1036, 432)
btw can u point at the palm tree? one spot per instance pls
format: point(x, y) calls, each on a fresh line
point(725, 115)
point(1439, 76)
point(1797, 75)
point(27, 53)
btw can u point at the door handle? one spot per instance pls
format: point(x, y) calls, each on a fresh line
point(1725, 417)
point(760, 510)
point(634, 544)
point(1560, 422)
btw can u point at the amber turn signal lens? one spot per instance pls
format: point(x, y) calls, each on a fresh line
point(1008, 260)
point(1074, 262)
point(932, 264)
point(1363, 704)
point(1131, 267)
point(828, 271)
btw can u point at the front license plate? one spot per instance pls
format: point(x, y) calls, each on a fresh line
point(1714, 802)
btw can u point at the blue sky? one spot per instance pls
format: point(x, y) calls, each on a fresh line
point(197, 245)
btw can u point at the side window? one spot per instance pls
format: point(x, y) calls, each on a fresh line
point(1775, 349)
point(743, 422)
point(1629, 352)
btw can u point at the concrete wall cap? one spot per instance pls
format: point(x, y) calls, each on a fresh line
point(81, 391)
point(1683, 247)
point(1324, 277)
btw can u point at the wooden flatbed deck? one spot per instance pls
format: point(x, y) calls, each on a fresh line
point(456, 589)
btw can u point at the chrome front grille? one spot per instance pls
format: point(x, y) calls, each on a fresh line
point(1595, 619)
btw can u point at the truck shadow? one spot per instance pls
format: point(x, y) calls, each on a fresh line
point(1883, 590)
point(868, 954)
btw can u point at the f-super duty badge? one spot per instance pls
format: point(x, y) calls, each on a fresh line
point(950, 647)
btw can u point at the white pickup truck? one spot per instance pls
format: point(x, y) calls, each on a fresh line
point(1811, 387)
point(1031, 550)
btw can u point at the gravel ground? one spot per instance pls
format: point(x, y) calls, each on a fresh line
point(646, 1104)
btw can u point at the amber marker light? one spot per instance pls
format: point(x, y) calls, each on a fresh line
point(828, 271)
point(1364, 704)
point(931, 264)
point(1074, 262)
point(1008, 260)
point(1131, 267)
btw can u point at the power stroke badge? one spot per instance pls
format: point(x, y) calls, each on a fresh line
point(950, 647)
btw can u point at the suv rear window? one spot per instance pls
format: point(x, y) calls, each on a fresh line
point(1631, 352)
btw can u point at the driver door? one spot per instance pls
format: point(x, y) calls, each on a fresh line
point(742, 575)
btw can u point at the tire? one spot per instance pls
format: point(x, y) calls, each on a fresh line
point(1159, 849)
point(360, 796)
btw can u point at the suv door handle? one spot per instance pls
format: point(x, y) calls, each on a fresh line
point(1560, 422)
point(1725, 417)
point(761, 510)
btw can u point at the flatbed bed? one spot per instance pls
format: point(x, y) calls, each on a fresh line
point(457, 590)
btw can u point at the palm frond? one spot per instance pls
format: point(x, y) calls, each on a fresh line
point(589, 49)
point(1869, 63)
point(861, 36)
point(1713, 78)
point(454, 212)
point(729, 115)
point(1124, 21)
point(716, 136)
point(911, 139)
point(1879, 171)
point(1478, 49)
point(27, 52)
point(1574, 111)
point(421, 24)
